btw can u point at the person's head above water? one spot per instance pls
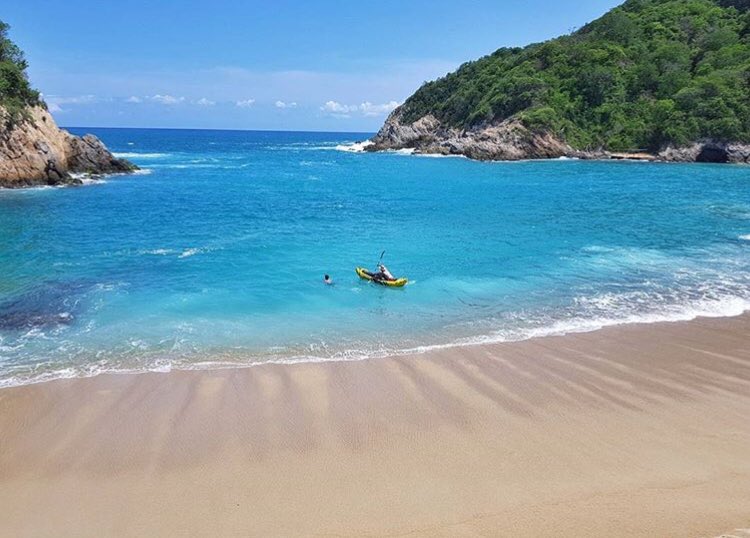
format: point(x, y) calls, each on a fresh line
point(327, 279)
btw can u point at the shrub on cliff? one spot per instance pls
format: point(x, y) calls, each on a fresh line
point(646, 74)
point(16, 95)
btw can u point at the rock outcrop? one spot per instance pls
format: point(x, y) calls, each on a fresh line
point(708, 151)
point(510, 140)
point(35, 151)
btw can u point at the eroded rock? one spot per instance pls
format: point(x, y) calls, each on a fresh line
point(35, 151)
point(511, 140)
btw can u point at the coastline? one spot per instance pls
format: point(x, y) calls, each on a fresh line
point(512, 140)
point(575, 155)
point(210, 363)
point(632, 430)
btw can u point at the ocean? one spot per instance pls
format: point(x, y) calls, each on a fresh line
point(214, 254)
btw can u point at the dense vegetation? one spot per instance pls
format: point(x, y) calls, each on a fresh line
point(646, 74)
point(15, 92)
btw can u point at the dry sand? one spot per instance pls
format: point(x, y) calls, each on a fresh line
point(628, 431)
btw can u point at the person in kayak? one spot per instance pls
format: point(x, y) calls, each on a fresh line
point(383, 273)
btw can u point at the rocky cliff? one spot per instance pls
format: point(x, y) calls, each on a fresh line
point(35, 151)
point(507, 140)
point(510, 140)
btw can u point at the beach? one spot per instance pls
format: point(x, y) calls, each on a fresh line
point(637, 430)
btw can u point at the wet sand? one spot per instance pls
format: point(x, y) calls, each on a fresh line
point(638, 430)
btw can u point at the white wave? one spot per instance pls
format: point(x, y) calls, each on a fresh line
point(355, 147)
point(158, 251)
point(92, 181)
point(745, 237)
point(317, 163)
point(726, 306)
point(439, 156)
point(193, 166)
point(142, 172)
point(30, 189)
point(87, 179)
point(184, 253)
point(192, 252)
point(729, 306)
point(135, 155)
point(597, 249)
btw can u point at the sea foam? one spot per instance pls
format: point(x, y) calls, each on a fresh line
point(135, 155)
point(354, 147)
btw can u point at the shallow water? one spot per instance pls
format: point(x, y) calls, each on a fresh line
point(215, 253)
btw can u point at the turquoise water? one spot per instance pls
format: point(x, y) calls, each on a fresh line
point(215, 254)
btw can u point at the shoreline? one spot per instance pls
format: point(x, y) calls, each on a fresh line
point(418, 351)
point(631, 430)
point(368, 146)
point(579, 155)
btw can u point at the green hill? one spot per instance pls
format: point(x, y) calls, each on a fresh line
point(649, 73)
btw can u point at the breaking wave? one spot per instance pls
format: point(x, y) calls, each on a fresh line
point(135, 155)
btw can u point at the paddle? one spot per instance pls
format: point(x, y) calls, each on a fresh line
point(377, 276)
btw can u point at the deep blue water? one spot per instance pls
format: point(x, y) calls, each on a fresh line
point(216, 254)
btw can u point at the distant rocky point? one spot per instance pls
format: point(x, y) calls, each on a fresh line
point(35, 151)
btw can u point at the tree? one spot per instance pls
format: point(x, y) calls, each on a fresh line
point(16, 95)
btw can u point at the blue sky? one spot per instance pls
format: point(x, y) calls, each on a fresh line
point(326, 65)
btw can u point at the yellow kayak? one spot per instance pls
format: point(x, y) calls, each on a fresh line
point(367, 275)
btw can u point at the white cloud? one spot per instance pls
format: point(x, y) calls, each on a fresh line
point(166, 99)
point(245, 103)
point(229, 84)
point(282, 104)
point(334, 107)
point(54, 101)
point(339, 110)
point(133, 99)
point(369, 109)
point(74, 100)
point(205, 102)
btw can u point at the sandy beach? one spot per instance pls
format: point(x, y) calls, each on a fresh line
point(629, 431)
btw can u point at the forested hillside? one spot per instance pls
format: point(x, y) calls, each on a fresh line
point(649, 73)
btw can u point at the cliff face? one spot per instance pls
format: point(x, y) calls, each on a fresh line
point(37, 152)
point(510, 140)
point(507, 140)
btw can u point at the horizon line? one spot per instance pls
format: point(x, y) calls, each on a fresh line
point(220, 129)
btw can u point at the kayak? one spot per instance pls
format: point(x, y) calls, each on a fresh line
point(367, 275)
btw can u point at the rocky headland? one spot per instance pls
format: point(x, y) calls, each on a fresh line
point(35, 151)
